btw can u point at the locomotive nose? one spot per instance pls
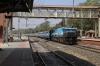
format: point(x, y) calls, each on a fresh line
point(70, 34)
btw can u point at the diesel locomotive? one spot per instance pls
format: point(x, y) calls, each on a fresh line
point(66, 35)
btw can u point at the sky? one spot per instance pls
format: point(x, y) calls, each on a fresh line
point(33, 22)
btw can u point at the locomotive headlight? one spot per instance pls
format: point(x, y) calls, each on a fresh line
point(61, 32)
point(56, 33)
point(74, 28)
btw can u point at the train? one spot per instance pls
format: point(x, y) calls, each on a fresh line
point(67, 35)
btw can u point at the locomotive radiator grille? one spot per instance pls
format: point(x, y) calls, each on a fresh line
point(70, 34)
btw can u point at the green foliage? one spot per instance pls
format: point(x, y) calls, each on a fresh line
point(42, 27)
point(56, 26)
point(90, 2)
point(15, 31)
point(85, 24)
point(73, 22)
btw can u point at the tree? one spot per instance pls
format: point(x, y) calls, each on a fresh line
point(44, 26)
point(90, 2)
point(87, 23)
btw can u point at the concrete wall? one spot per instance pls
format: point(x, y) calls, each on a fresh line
point(2, 18)
point(1, 28)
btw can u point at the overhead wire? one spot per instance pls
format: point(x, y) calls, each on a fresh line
point(37, 1)
point(42, 3)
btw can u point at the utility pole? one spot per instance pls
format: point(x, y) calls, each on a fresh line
point(73, 6)
point(26, 25)
point(81, 31)
point(19, 27)
point(64, 20)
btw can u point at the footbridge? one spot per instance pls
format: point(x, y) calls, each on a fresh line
point(59, 11)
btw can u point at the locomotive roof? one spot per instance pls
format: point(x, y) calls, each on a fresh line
point(68, 27)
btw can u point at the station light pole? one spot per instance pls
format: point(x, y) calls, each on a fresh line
point(73, 6)
point(26, 25)
point(81, 32)
point(19, 27)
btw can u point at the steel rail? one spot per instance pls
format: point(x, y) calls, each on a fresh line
point(40, 56)
point(64, 60)
point(56, 55)
point(42, 59)
point(87, 48)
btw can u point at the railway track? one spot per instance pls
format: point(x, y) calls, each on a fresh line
point(48, 57)
point(77, 55)
point(89, 43)
point(89, 47)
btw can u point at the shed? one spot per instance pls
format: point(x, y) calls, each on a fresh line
point(90, 33)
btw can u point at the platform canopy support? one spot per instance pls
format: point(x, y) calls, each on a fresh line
point(99, 27)
point(11, 26)
point(96, 28)
point(99, 24)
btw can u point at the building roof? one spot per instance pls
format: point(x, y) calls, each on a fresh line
point(16, 5)
point(90, 31)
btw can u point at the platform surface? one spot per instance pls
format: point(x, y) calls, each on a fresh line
point(18, 53)
point(92, 39)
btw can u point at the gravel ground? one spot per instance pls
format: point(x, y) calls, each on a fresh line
point(79, 57)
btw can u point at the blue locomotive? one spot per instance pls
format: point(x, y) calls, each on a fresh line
point(66, 35)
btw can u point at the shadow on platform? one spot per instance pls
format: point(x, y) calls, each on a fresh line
point(18, 57)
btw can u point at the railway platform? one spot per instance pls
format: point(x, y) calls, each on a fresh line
point(16, 53)
point(89, 40)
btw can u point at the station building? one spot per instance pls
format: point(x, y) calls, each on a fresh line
point(3, 22)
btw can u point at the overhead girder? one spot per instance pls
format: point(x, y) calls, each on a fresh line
point(58, 13)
